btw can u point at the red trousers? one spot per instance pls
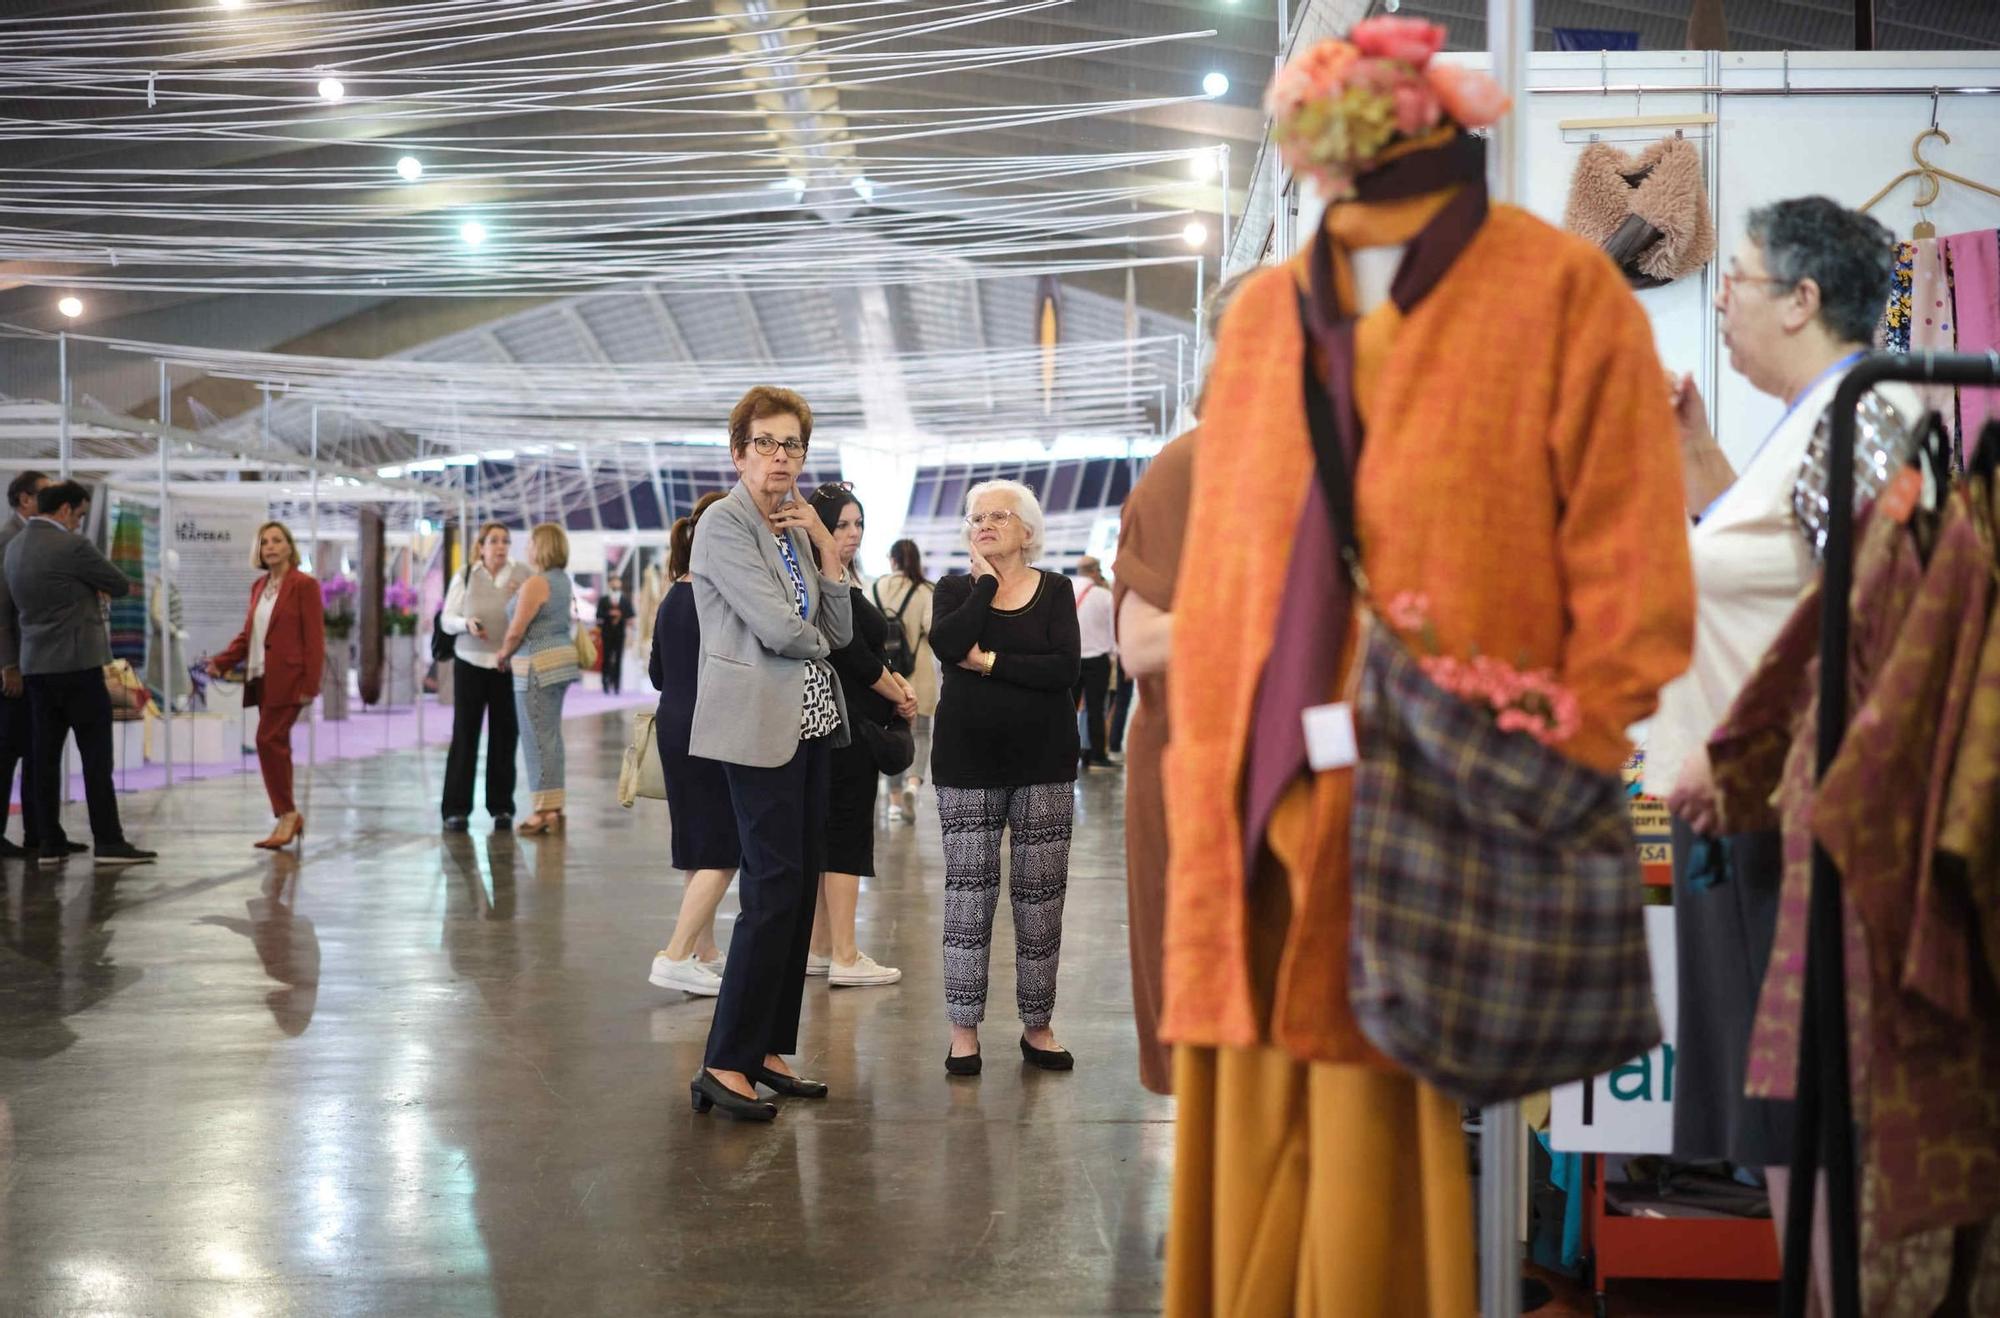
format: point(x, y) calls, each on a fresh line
point(274, 754)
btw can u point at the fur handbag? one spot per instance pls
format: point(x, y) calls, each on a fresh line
point(1649, 212)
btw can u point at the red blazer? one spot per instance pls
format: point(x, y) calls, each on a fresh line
point(294, 643)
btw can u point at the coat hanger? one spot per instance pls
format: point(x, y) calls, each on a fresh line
point(1930, 178)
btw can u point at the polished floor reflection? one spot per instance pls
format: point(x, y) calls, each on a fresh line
point(406, 1074)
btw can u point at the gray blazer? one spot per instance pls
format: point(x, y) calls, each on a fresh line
point(10, 622)
point(749, 703)
point(52, 580)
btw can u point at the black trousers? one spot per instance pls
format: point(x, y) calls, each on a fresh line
point(1093, 683)
point(481, 695)
point(781, 822)
point(17, 740)
point(73, 703)
point(614, 659)
point(1121, 710)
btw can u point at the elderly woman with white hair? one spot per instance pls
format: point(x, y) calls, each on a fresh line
point(1004, 760)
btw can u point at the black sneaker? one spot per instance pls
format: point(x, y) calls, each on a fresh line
point(76, 848)
point(503, 823)
point(454, 823)
point(12, 851)
point(124, 853)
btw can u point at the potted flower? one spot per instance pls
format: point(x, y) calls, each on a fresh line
point(337, 596)
point(399, 626)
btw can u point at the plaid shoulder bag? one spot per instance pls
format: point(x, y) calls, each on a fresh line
point(1498, 946)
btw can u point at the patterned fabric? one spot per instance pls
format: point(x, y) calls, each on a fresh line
point(821, 715)
point(1926, 1084)
point(1894, 334)
point(1969, 834)
point(1498, 948)
point(1933, 325)
point(539, 712)
point(1039, 818)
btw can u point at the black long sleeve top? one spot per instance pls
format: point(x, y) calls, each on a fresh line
point(1017, 727)
point(859, 664)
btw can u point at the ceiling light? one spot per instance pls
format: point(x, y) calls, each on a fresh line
point(388, 473)
point(1216, 84)
point(71, 307)
point(330, 89)
point(472, 233)
point(423, 526)
point(410, 168)
point(1195, 234)
point(1203, 165)
point(230, 4)
point(864, 188)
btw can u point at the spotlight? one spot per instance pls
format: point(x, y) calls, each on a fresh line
point(1195, 234)
point(423, 526)
point(410, 168)
point(864, 188)
point(1216, 84)
point(472, 233)
point(330, 89)
point(229, 4)
point(71, 307)
point(1203, 165)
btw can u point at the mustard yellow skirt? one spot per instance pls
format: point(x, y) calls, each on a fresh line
point(1316, 1190)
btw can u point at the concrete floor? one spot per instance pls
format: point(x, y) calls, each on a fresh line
point(415, 1075)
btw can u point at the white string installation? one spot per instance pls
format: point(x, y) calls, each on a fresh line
point(460, 148)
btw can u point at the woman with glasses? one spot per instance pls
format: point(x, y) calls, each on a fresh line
point(768, 708)
point(874, 695)
point(1005, 760)
point(1799, 306)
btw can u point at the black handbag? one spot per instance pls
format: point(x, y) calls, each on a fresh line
point(893, 746)
point(444, 646)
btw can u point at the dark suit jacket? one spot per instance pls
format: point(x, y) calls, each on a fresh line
point(614, 632)
point(53, 579)
point(10, 622)
point(294, 642)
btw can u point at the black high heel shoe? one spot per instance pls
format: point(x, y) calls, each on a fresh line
point(709, 1092)
point(790, 1086)
point(1049, 1059)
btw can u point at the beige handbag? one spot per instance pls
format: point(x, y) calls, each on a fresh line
point(640, 775)
point(586, 648)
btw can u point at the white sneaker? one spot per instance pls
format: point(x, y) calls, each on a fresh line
point(864, 973)
point(817, 965)
point(689, 976)
point(909, 805)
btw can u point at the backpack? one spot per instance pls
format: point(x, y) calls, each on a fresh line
point(898, 655)
point(444, 646)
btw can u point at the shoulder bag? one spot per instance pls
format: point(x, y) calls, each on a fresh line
point(898, 655)
point(444, 646)
point(641, 775)
point(1498, 943)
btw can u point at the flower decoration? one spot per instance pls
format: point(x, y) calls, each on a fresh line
point(399, 609)
point(1530, 701)
point(1340, 104)
point(337, 596)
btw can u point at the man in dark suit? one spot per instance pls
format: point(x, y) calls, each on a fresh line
point(58, 580)
point(15, 732)
point(612, 615)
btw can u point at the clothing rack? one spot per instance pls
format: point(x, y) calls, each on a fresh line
point(1825, 1104)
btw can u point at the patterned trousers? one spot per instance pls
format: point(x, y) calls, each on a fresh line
point(1039, 817)
point(540, 717)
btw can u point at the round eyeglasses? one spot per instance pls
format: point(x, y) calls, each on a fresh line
point(764, 444)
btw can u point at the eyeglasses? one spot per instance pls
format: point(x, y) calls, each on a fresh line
point(764, 444)
point(997, 519)
point(1730, 279)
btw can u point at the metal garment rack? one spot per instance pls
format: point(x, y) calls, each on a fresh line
point(1825, 1137)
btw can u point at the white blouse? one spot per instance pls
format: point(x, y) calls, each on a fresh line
point(260, 626)
point(1751, 563)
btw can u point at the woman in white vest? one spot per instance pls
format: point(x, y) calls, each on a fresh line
point(475, 612)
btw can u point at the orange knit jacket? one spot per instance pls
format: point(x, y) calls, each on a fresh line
point(1521, 468)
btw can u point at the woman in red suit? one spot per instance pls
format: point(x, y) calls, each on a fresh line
point(283, 647)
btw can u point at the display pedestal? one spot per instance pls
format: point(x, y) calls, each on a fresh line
point(334, 679)
point(399, 657)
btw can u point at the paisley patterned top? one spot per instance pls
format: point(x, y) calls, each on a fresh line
point(821, 716)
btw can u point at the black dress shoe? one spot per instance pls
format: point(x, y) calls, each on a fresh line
point(454, 823)
point(75, 848)
point(503, 823)
point(124, 853)
point(12, 851)
point(1049, 1059)
point(709, 1093)
point(790, 1086)
point(967, 1065)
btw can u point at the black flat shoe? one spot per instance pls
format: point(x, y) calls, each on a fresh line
point(1051, 1059)
point(709, 1093)
point(967, 1065)
point(790, 1086)
point(503, 823)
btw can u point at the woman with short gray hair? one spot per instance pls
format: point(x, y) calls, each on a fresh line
point(1004, 761)
point(1799, 305)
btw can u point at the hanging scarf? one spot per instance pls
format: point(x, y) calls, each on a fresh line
point(1312, 626)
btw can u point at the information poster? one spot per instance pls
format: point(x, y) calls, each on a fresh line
point(211, 541)
point(1631, 1108)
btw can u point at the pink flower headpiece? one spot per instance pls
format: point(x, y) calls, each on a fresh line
point(1338, 106)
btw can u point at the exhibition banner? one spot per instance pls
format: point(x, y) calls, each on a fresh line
point(211, 541)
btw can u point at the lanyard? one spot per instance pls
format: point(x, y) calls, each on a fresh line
point(1838, 368)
